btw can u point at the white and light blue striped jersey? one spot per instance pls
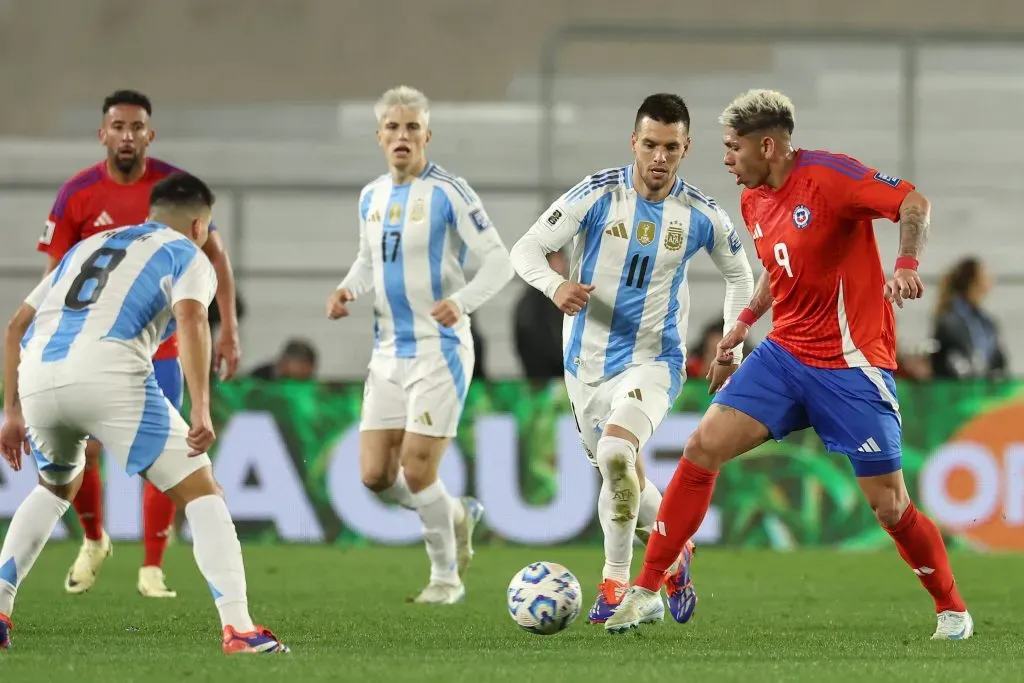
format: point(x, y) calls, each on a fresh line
point(635, 253)
point(108, 304)
point(413, 242)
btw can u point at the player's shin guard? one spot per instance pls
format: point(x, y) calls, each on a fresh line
point(219, 557)
point(618, 504)
point(435, 510)
point(30, 528)
point(683, 508)
point(920, 544)
point(89, 504)
point(157, 520)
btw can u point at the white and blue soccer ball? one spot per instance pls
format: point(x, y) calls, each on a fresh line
point(544, 598)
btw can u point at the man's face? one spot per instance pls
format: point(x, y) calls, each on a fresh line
point(658, 148)
point(403, 136)
point(746, 157)
point(126, 135)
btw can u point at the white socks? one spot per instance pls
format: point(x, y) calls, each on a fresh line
point(219, 557)
point(398, 493)
point(437, 512)
point(618, 504)
point(650, 501)
point(30, 528)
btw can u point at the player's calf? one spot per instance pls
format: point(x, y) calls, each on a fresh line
point(920, 545)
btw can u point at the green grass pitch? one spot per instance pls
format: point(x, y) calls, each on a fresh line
point(802, 616)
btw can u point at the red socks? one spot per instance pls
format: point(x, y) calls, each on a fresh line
point(157, 520)
point(682, 510)
point(920, 545)
point(88, 503)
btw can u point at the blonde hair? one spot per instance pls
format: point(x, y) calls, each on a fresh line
point(758, 110)
point(403, 96)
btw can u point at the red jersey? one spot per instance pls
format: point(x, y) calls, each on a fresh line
point(92, 202)
point(816, 241)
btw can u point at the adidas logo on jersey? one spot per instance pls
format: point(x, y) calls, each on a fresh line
point(757, 231)
point(869, 446)
point(617, 230)
point(635, 393)
point(424, 420)
point(103, 220)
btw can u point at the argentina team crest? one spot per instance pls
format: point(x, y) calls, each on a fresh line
point(801, 217)
point(674, 236)
point(645, 232)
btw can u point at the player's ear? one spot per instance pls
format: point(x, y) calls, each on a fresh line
point(151, 136)
point(768, 147)
point(426, 140)
point(632, 141)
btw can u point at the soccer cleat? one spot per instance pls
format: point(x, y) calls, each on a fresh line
point(954, 626)
point(640, 606)
point(441, 594)
point(151, 583)
point(5, 631)
point(474, 511)
point(82, 574)
point(258, 642)
point(682, 598)
point(609, 595)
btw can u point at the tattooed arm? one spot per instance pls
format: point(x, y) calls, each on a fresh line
point(915, 214)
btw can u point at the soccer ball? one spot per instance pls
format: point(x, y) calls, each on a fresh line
point(544, 598)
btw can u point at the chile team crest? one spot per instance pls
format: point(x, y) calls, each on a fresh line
point(801, 217)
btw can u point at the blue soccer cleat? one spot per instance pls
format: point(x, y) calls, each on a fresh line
point(609, 595)
point(261, 641)
point(5, 631)
point(682, 598)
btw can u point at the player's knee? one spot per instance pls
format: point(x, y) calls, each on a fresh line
point(704, 450)
point(889, 504)
point(419, 473)
point(378, 479)
point(615, 454)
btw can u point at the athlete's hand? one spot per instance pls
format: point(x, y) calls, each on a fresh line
point(718, 373)
point(446, 312)
point(226, 353)
point(905, 284)
point(336, 307)
point(201, 435)
point(14, 440)
point(571, 297)
point(733, 338)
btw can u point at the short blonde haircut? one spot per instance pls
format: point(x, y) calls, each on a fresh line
point(759, 110)
point(403, 96)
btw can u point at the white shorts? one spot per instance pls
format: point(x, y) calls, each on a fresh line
point(652, 387)
point(424, 395)
point(131, 418)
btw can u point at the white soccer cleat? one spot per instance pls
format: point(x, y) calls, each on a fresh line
point(954, 626)
point(640, 606)
point(82, 574)
point(441, 594)
point(152, 585)
point(473, 512)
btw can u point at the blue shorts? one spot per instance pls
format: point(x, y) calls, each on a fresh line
point(169, 379)
point(854, 411)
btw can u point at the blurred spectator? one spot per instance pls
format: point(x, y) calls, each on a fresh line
point(538, 329)
point(297, 361)
point(914, 365)
point(704, 352)
point(966, 337)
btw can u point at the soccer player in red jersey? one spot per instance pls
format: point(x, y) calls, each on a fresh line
point(113, 193)
point(828, 362)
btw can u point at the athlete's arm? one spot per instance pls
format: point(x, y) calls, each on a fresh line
point(915, 222)
point(194, 348)
point(482, 239)
point(228, 345)
point(553, 230)
point(359, 278)
point(728, 255)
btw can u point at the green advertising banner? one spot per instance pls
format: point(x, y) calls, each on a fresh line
point(287, 457)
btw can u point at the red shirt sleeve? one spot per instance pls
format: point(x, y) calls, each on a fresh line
point(865, 194)
point(62, 230)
